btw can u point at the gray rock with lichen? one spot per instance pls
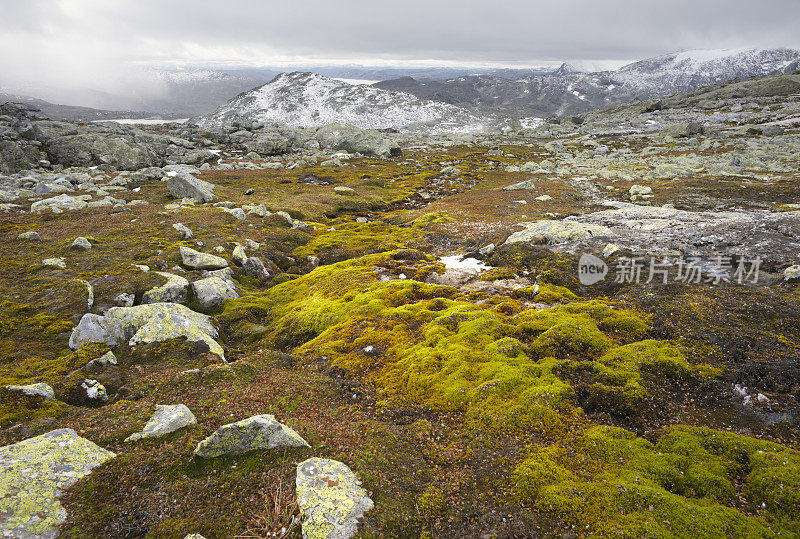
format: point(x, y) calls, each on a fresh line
point(34, 473)
point(146, 324)
point(330, 498)
point(183, 185)
point(213, 292)
point(257, 432)
point(165, 420)
point(39, 389)
point(196, 260)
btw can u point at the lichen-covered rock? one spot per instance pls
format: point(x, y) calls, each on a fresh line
point(40, 389)
point(87, 392)
point(254, 267)
point(238, 255)
point(330, 498)
point(257, 432)
point(58, 262)
point(166, 419)
point(183, 185)
point(557, 231)
point(81, 243)
point(185, 232)
point(33, 475)
point(175, 290)
point(146, 324)
point(792, 273)
point(30, 235)
point(61, 203)
point(196, 260)
point(212, 292)
point(354, 140)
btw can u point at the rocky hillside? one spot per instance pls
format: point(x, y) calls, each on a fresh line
point(587, 329)
point(310, 100)
point(567, 91)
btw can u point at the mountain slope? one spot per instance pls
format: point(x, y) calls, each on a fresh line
point(310, 100)
point(567, 91)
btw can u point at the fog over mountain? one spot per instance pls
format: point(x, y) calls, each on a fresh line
point(111, 55)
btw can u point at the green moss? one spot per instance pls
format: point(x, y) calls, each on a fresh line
point(432, 218)
point(355, 239)
point(38, 369)
point(692, 481)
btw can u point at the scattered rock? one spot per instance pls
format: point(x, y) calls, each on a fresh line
point(30, 236)
point(183, 230)
point(330, 498)
point(166, 419)
point(212, 292)
point(146, 324)
point(257, 432)
point(183, 185)
point(58, 262)
point(254, 267)
point(175, 290)
point(35, 472)
point(38, 389)
point(552, 231)
point(81, 243)
point(86, 392)
point(196, 260)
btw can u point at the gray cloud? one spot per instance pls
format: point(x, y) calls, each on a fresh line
point(97, 43)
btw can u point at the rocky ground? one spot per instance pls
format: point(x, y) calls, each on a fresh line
point(262, 332)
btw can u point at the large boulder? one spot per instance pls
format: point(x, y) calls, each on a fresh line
point(272, 141)
point(552, 231)
point(61, 203)
point(213, 292)
point(34, 473)
point(196, 260)
point(330, 498)
point(165, 420)
point(257, 432)
point(354, 140)
point(183, 185)
point(146, 324)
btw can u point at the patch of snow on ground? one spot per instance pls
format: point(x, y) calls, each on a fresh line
point(460, 263)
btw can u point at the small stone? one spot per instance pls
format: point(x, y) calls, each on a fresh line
point(58, 262)
point(343, 190)
point(166, 419)
point(238, 213)
point(257, 432)
point(81, 243)
point(183, 230)
point(238, 255)
point(763, 399)
point(249, 192)
point(30, 236)
point(792, 273)
point(124, 300)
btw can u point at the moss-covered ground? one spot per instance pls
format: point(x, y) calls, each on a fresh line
point(543, 410)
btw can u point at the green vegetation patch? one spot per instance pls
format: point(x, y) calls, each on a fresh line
point(692, 481)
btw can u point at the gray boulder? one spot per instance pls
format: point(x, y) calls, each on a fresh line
point(146, 324)
point(257, 432)
point(196, 260)
point(330, 498)
point(37, 389)
point(212, 292)
point(81, 243)
point(166, 419)
point(183, 185)
point(254, 267)
point(35, 473)
point(354, 140)
point(175, 290)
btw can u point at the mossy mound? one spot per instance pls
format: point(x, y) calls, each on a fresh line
point(692, 481)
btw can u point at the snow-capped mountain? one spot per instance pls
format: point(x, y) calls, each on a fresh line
point(311, 100)
point(568, 91)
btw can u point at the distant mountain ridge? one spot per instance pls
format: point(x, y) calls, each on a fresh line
point(568, 91)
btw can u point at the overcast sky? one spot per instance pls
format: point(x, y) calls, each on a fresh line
point(94, 40)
